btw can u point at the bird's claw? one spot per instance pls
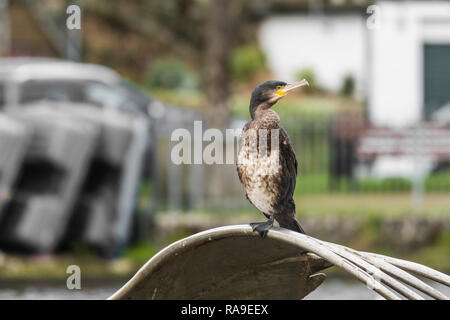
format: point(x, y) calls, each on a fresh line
point(262, 227)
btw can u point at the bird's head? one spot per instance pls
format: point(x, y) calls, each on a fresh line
point(268, 93)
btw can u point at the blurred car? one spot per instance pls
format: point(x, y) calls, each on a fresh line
point(25, 80)
point(30, 82)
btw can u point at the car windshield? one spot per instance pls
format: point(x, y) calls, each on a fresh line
point(121, 97)
point(55, 90)
point(136, 95)
point(124, 96)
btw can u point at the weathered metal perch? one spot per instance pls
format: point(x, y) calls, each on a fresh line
point(235, 263)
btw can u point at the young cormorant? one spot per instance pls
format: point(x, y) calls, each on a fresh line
point(268, 172)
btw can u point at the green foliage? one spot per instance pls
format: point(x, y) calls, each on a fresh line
point(308, 74)
point(380, 185)
point(292, 108)
point(141, 252)
point(436, 254)
point(171, 73)
point(311, 183)
point(348, 86)
point(444, 240)
point(433, 183)
point(247, 61)
point(371, 228)
point(145, 194)
point(183, 98)
point(438, 181)
point(83, 250)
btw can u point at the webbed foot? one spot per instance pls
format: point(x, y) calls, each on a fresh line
point(262, 227)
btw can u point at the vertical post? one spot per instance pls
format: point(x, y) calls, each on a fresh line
point(174, 184)
point(73, 39)
point(196, 187)
point(219, 36)
point(419, 177)
point(315, 7)
point(5, 28)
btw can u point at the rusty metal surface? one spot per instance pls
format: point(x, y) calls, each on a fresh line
point(228, 263)
point(235, 263)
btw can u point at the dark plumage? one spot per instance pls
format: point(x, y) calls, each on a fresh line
point(269, 178)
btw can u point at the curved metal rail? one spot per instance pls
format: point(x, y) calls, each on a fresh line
point(391, 278)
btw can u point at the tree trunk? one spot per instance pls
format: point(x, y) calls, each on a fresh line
point(217, 62)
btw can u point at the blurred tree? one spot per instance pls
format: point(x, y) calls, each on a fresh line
point(201, 33)
point(131, 35)
point(217, 62)
point(247, 61)
point(348, 86)
point(314, 86)
point(171, 73)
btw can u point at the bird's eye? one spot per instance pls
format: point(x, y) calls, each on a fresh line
point(278, 87)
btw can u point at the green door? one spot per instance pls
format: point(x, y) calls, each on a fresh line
point(437, 77)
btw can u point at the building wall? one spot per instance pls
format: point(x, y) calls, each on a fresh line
point(332, 45)
point(387, 62)
point(396, 59)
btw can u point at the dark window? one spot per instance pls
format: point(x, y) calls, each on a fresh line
point(140, 99)
point(2, 95)
point(54, 90)
point(121, 97)
point(102, 95)
point(96, 93)
point(437, 78)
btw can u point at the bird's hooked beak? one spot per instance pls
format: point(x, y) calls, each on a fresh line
point(289, 87)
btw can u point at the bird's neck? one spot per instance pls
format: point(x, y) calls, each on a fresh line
point(266, 114)
point(260, 108)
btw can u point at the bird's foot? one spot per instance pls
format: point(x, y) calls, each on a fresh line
point(262, 227)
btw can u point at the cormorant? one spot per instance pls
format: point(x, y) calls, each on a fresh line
point(268, 173)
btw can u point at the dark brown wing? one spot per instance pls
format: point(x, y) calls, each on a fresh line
point(289, 165)
point(244, 141)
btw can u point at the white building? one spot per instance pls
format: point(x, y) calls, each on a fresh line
point(397, 51)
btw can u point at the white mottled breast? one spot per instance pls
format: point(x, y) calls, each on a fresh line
point(255, 172)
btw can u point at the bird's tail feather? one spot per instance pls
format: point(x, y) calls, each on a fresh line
point(291, 224)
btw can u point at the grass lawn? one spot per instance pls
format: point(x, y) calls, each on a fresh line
point(384, 204)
